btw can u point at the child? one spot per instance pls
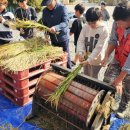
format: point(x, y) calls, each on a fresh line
point(25, 12)
point(105, 14)
point(77, 26)
point(93, 42)
point(121, 65)
point(5, 31)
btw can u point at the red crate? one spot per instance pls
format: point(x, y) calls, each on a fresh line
point(21, 84)
point(18, 92)
point(20, 75)
point(20, 101)
point(1, 82)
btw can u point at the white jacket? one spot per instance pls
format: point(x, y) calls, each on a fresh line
point(94, 41)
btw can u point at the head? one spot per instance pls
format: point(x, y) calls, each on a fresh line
point(22, 3)
point(49, 3)
point(103, 5)
point(121, 15)
point(93, 17)
point(3, 5)
point(79, 10)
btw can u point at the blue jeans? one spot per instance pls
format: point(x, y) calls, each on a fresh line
point(65, 46)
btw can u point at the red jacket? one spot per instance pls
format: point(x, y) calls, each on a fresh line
point(123, 48)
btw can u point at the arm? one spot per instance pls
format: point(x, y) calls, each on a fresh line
point(44, 18)
point(34, 15)
point(10, 18)
point(107, 14)
point(81, 44)
point(81, 41)
point(111, 44)
point(64, 20)
point(73, 28)
point(125, 70)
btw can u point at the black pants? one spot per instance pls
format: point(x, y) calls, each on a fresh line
point(65, 46)
point(3, 42)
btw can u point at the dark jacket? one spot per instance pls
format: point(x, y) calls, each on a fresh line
point(58, 17)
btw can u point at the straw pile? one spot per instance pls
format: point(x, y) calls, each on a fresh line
point(25, 54)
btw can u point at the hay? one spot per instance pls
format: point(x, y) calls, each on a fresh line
point(26, 24)
point(23, 55)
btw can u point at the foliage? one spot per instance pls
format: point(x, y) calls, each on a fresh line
point(36, 4)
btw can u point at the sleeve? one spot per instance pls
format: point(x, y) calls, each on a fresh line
point(81, 41)
point(16, 13)
point(44, 18)
point(64, 20)
point(11, 17)
point(107, 14)
point(113, 37)
point(74, 27)
point(100, 46)
point(126, 67)
point(34, 15)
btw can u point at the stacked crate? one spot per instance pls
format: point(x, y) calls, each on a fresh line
point(19, 87)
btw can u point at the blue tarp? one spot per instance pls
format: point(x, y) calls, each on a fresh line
point(117, 123)
point(14, 115)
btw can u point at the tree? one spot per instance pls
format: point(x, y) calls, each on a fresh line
point(36, 4)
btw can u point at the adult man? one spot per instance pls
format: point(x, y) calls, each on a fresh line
point(55, 17)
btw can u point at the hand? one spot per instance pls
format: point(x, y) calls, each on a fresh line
point(84, 63)
point(21, 31)
point(52, 30)
point(118, 85)
point(1, 19)
point(104, 61)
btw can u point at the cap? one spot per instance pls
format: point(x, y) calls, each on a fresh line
point(46, 2)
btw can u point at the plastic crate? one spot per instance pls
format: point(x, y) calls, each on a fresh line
point(20, 75)
point(21, 84)
point(18, 92)
point(20, 101)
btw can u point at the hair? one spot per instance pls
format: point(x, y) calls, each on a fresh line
point(103, 3)
point(20, 1)
point(122, 11)
point(80, 8)
point(4, 1)
point(93, 14)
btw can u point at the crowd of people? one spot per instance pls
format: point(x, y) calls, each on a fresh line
point(94, 44)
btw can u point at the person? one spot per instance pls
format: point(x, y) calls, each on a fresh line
point(25, 12)
point(55, 17)
point(93, 43)
point(105, 14)
point(77, 26)
point(119, 70)
point(5, 32)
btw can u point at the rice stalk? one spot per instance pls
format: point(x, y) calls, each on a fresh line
point(26, 24)
point(54, 98)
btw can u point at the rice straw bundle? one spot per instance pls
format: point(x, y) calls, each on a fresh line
point(25, 54)
point(26, 24)
point(54, 98)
